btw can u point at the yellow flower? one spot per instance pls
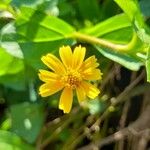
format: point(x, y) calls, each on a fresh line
point(70, 74)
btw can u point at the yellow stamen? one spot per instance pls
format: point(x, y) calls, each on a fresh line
point(72, 79)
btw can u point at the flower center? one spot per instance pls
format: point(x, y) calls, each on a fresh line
point(72, 79)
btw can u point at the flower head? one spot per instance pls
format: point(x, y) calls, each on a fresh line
point(69, 74)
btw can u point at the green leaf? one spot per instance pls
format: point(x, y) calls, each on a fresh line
point(122, 36)
point(27, 120)
point(11, 57)
point(9, 40)
point(10, 141)
point(124, 59)
point(148, 65)
point(36, 26)
point(131, 8)
point(35, 36)
point(112, 24)
point(112, 29)
point(9, 63)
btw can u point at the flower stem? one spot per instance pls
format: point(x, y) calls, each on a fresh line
point(105, 43)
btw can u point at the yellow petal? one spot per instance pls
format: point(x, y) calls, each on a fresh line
point(92, 74)
point(91, 91)
point(89, 63)
point(65, 53)
point(53, 63)
point(66, 99)
point(78, 57)
point(48, 89)
point(47, 76)
point(81, 95)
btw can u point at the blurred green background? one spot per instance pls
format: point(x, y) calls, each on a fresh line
point(30, 29)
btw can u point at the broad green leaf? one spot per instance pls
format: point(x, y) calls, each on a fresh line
point(131, 8)
point(9, 40)
point(31, 44)
point(11, 57)
point(10, 141)
point(121, 36)
point(148, 65)
point(4, 4)
point(36, 26)
point(110, 25)
point(117, 29)
point(9, 63)
point(27, 120)
point(123, 59)
point(32, 51)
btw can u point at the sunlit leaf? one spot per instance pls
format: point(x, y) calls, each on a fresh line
point(123, 59)
point(9, 63)
point(39, 27)
point(9, 40)
point(112, 24)
point(131, 8)
point(112, 29)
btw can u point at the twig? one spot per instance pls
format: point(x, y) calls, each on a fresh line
point(124, 114)
point(58, 125)
point(123, 122)
point(144, 140)
point(118, 100)
point(140, 126)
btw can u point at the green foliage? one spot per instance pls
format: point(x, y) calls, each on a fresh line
point(109, 25)
point(10, 141)
point(10, 64)
point(28, 122)
point(89, 10)
point(131, 8)
point(126, 60)
point(36, 26)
